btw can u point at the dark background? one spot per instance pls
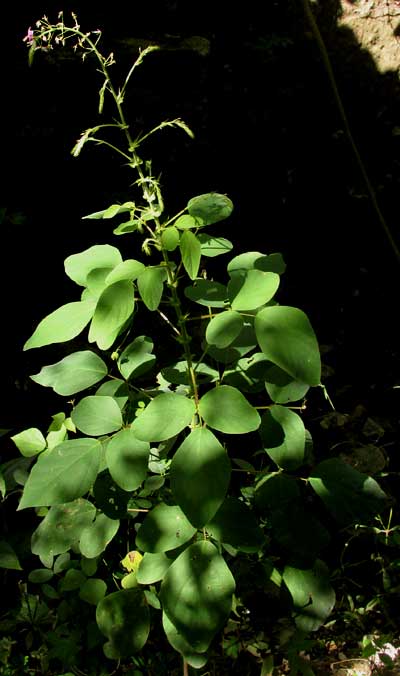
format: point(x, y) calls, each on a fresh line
point(268, 134)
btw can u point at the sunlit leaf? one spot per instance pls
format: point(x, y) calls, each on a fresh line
point(114, 307)
point(249, 290)
point(191, 253)
point(165, 416)
point(137, 358)
point(164, 528)
point(151, 286)
point(61, 325)
point(95, 537)
point(97, 415)
point(224, 328)
point(74, 373)
point(30, 442)
point(225, 409)
point(65, 474)
point(78, 266)
point(286, 337)
point(60, 528)
point(283, 435)
point(213, 246)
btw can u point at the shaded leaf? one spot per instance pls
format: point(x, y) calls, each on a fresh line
point(349, 495)
point(175, 638)
point(128, 270)
point(123, 617)
point(312, 594)
point(200, 473)
point(208, 293)
point(283, 435)
point(283, 388)
point(127, 459)
point(196, 594)
point(8, 557)
point(153, 567)
point(213, 246)
point(209, 208)
point(93, 591)
point(235, 524)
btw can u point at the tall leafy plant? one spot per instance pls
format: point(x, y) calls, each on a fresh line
point(185, 450)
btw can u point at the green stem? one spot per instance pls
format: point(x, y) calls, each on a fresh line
point(368, 185)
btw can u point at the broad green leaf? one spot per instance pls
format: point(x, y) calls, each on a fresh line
point(248, 374)
point(165, 416)
point(349, 495)
point(284, 437)
point(274, 491)
point(254, 260)
point(78, 266)
point(226, 409)
point(124, 618)
point(213, 246)
point(177, 374)
point(235, 524)
point(194, 659)
point(137, 358)
point(67, 473)
point(129, 581)
point(111, 211)
point(128, 270)
point(96, 281)
point(286, 337)
point(89, 566)
point(109, 497)
point(117, 389)
point(127, 459)
point(3, 488)
point(200, 473)
point(191, 253)
point(127, 227)
point(312, 594)
point(40, 575)
point(61, 528)
point(186, 222)
point(170, 238)
point(150, 285)
point(72, 580)
point(196, 594)
point(224, 328)
point(93, 591)
point(249, 290)
point(95, 537)
point(208, 293)
point(113, 309)
point(72, 374)
point(61, 325)
point(153, 567)
point(96, 415)
point(30, 442)
point(8, 557)
point(164, 528)
point(283, 388)
point(210, 208)
point(245, 342)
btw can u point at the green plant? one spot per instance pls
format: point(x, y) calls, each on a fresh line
point(186, 477)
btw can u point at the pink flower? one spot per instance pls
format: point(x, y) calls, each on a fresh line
point(29, 36)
